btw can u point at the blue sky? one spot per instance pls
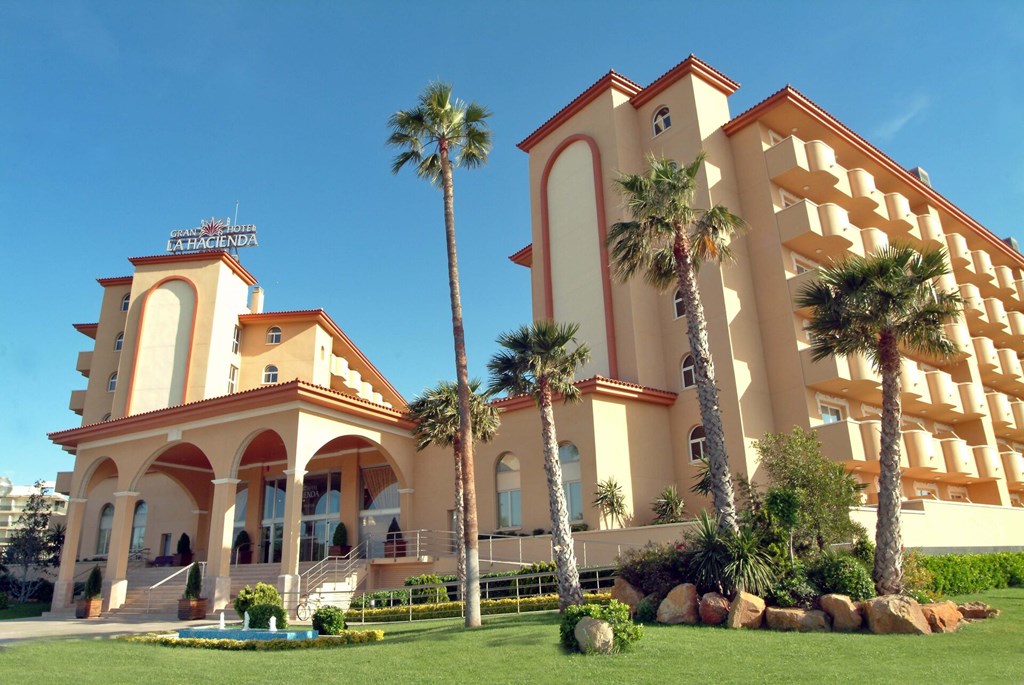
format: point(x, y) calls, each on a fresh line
point(121, 121)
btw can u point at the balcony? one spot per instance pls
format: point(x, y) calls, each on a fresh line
point(985, 353)
point(77, 403)
point(923, 454)
point(959, 457)
point(960, 334)
point(1005, 284)
point(1013, 465)
point(866, 201)
point(807, 169)
point(930, 229)
point(841, 441)
point(875, 240)
point(817, 231)
point(902, 223)
point(1000, 411)
point(913, 384)
point(997, 318)
point(943, 397)
point(1010, 370)
point(983, 266)
point(989, 463)
point(796, 285)
point(843, 376)
point(959, 255)
point(973, 400)
point(84, 363)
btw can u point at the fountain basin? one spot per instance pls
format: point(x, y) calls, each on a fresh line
point(239, 634)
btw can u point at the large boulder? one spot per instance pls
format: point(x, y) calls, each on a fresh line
point(846, 616)
point(594, 636)
point(975, 610)
point(681, 605)
point(896, 614)
point(942, 617)
point(746, 611)
point(713, 609)
point(627, 594)
point(800, 620)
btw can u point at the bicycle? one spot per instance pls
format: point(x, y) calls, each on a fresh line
point(307, 606)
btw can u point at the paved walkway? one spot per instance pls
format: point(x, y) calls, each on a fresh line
point(15, 630)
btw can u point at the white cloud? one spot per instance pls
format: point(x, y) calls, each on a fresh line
point(889, 128)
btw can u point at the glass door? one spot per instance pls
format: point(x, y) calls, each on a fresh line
point(272, 529)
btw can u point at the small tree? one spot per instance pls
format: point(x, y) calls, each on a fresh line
point(184, 544)
point(668, 506)
point(32, 546)
point(340, 538)
point(194, 583)
point(93, 584)
point(608, 498)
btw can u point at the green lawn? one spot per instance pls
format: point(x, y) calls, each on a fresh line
point(30, 610)
point(524, 649)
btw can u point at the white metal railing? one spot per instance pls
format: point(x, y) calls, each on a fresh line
point(579, 547)
point(337, 568)
point(184, 569)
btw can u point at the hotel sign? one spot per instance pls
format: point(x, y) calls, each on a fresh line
point(213, 234)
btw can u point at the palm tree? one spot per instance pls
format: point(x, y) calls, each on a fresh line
point(667, 241)
point(876, 306)
point(537, 360)
point(436, 413)
point(436, 135)
point(610, 501)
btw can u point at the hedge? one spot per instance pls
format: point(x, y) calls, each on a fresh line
point(962, 574)
point(351, 637)
point(454, 609)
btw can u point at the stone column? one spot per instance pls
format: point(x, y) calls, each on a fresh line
point(63, 589)
point(115, 578)
point(288, 580)
point(217, 584)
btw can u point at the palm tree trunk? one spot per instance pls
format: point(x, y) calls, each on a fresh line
point(460, 521)
point(707, 389)
point(472, 598)
point(569, 591)
point(888, 568)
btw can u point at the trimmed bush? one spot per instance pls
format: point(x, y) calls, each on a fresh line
point(194, 583)
point(454, 609)
point(842, 574)
point(429, 595)
point(380, 599)
point(328, 620)
point(961, 574)
point(263, 593)
point(259, 616)
point(615, 613)
point(350, 637)
point(93, 584)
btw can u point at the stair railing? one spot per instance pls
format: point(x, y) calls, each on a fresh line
point(183, 569)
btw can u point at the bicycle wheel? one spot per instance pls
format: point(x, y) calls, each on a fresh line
point(302, 612)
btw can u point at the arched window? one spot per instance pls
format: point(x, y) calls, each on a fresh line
point(112, 382)
point(509, 503)
point(270, 374)
point(689, 372)
point(106, 525)
point(119, 342)
point(125, 301)
point(139, 526)
point(697, 443)
point(572, 486)
point(273, 335)
point(662, 120)
point(677, 304)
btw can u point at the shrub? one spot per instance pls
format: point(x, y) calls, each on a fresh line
point(615, 613)
point(340, 538)
point(707, 556)
point(863, 550)
point(184, 544)
point(93, 584)
point(350, 637)
point(251, 596)
point(842, 574)
point(792, 588)
point(3, 601)
point(259, 616)
point(917, 580)
point(653, 569)
point(646, 611)
point(454, 609)
point(960, 574)
point(381, 598)
point(428, 595)
point(668, 506)
point(328, 620)
point(749, 568)
point(194, 583)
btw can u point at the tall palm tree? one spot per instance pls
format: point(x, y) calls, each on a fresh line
point(668, 240)
point(436, 413)
point(435, 135)
point(540, 360)
point(876, 306)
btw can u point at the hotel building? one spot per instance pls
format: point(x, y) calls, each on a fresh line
point(207, 415)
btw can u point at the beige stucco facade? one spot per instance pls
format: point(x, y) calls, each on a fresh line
point(219, 406)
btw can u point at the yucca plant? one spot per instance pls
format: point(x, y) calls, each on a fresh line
point(610, 501)
point(707, 555)
point(668, 506)
point(750, 567)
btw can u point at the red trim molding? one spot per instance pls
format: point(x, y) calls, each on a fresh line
point(599, 385)
point(602, 234)
point(88, 329)
point(690, 65)
point(523, 257)
point(116, 280)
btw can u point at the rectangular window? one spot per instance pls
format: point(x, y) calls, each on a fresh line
point(574, 499)
point(510, 513)
point(232, 379)
point(830, 413)
point(236, 340)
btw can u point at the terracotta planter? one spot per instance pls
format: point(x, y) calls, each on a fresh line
point(191, 609)
point(243, 556)
point(340, 550)
point(394, 549)
point(88, 608)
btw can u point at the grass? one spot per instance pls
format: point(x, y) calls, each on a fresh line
point(28, 610)
point(524, 649)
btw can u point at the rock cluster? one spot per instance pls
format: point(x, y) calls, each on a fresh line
point(886, 614)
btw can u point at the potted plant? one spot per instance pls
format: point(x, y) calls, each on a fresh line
point(394, 544)
point(243, 548)
point(191, 606)
point(91, 603)
point(184, 550)
point(339, 545)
